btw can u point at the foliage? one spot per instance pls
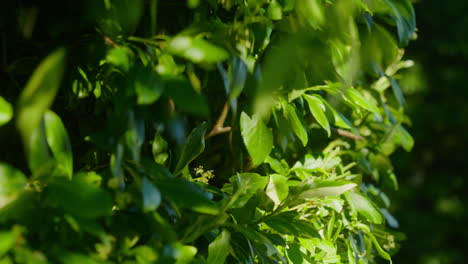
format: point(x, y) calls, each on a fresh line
point(202, 131)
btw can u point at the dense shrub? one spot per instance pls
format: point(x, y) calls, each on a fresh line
point(201, 131)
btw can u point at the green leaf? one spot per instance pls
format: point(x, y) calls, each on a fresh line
point(6, 111)
point(275, 11)
point(295, 123)
point(80, 198)
point(288, 224)
point(363, 206)
point(317, 109)
point(379, 249)
point(258, 139)
point(397, 91)
point(197, 50)
point(354, 97)
point(12, 181)
point(184, 96)
point(120, 57)
point(310, 189)
point(7, 241)
point(59, 142)
point(75, 258)
point(186, 194)
point(218, 250)
point(185, 254)
point(193, 147)
point(405, 138)
point(151, 196)
point(148, 85)
point(245, 185)
point(277, 188)
point(35, 99)
point(403, 13)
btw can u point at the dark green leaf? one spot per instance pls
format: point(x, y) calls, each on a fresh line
point(148, 85)
point(184, 96)
point(187, 195)
point(151, 196)
point(403, 13)
point(80, 198)
point(286, 223)
point(218, 250)
point(59, 142)
point(397, 91)
point(6, 111)
point(258, 139)
point(193, 147)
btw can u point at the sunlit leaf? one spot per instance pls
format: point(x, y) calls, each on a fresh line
point(295, 123)
point(196, 49)
point(6, 111)
point(317, 109)
point(277, 188)
point(218, 250)
point(364, 207)
point(258, 139)
point(193, 147)
point(59, 142)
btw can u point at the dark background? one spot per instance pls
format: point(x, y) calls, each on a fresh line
point(430, 204)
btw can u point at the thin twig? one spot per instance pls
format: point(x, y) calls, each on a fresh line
point(347, 134)
point(219, 127)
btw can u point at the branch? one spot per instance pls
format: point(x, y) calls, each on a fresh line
point(219, 127)
point(347, 134)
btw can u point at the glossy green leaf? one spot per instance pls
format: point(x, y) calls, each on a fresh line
point(317, 109)
point(59, 142)
point(80, 198)
point(295, 122)
point(193, 147)
point(364, 207)
point(218, 250)
point(35, 99)
point(288, 224)
point(323, 188)
point(151, 195)
point(6, 111)
point(185, 254)
point(197, 50)
point(258, 138)
point(354, 97)
point(277, 188)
